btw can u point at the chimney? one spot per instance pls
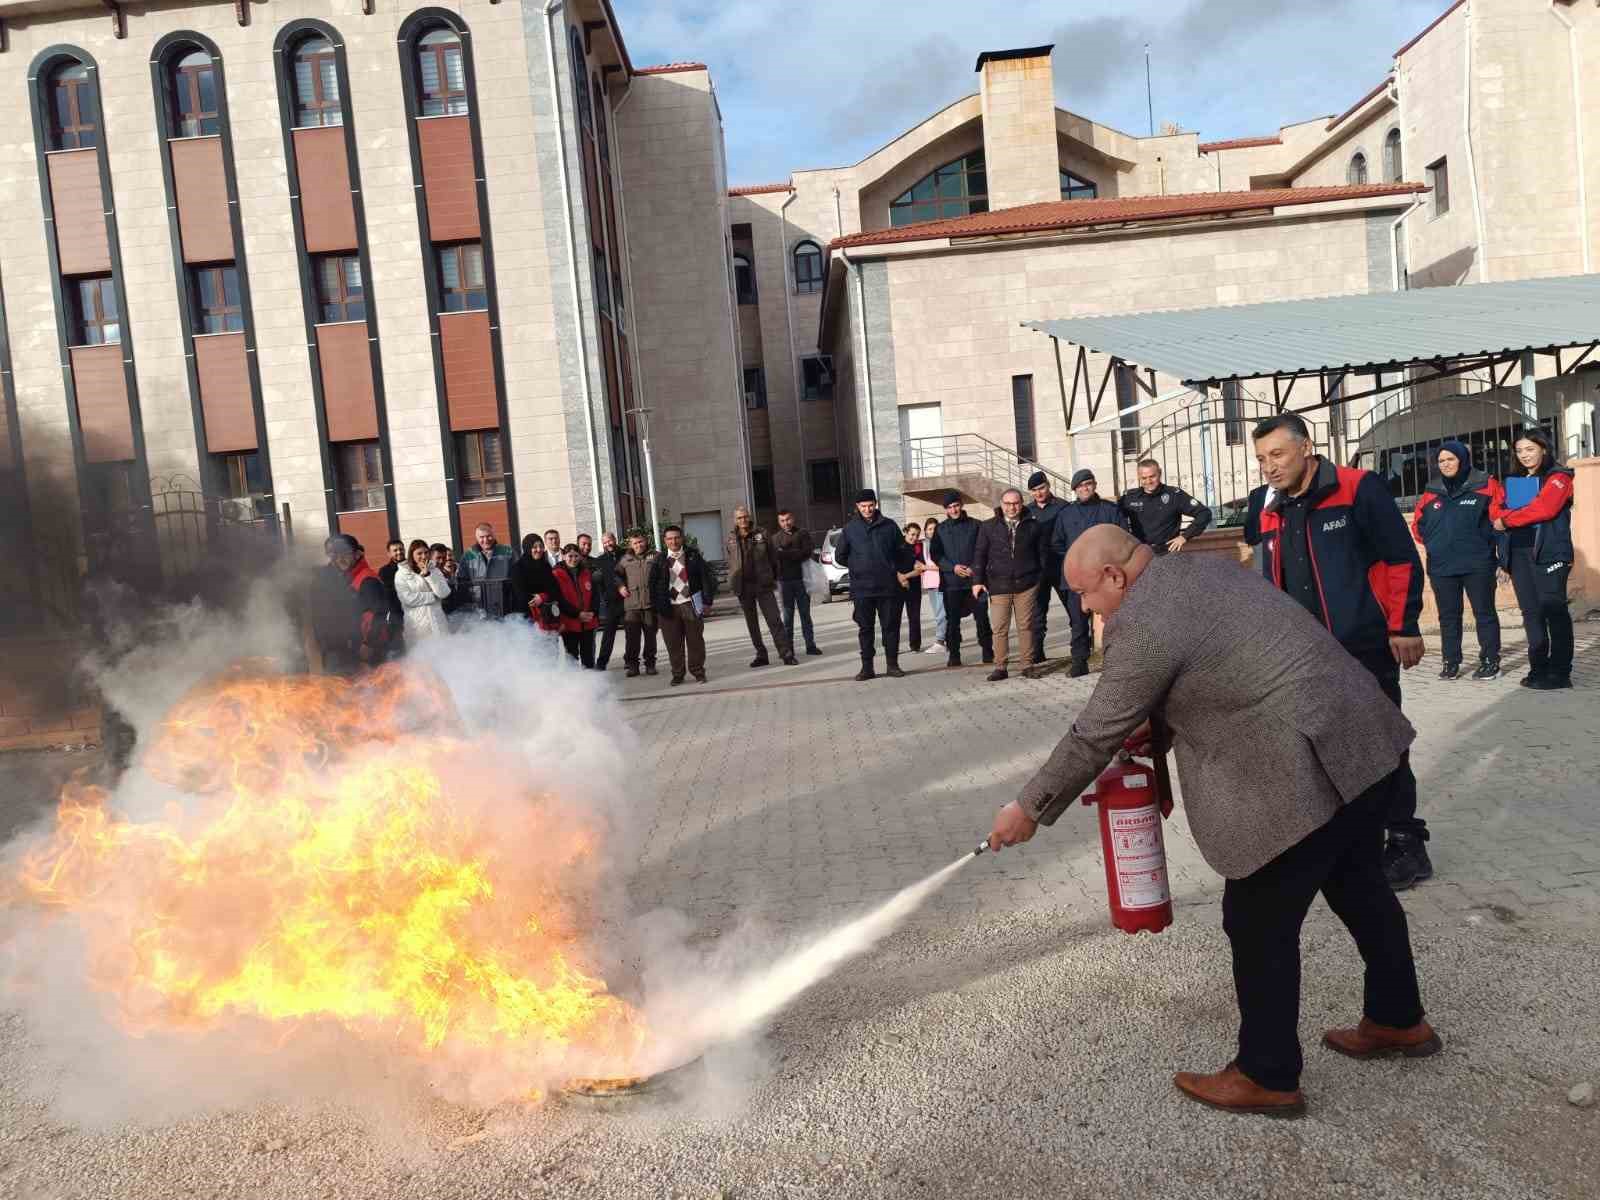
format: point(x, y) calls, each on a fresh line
point(1017, 89)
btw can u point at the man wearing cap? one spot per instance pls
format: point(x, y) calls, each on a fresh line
point(1156, 511)
point(876, 554)
point(955, 549)
point(1046, 509)
point(1087, 510)
point(348, 611)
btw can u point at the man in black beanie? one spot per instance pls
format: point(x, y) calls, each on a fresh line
point(954, 549)
point(876, 554)
point(1088, 509)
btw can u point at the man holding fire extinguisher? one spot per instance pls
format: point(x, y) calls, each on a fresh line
point(1285, 750)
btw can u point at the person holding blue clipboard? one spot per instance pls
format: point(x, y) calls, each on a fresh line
point(1537, 514)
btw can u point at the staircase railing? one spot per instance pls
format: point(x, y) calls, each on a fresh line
point(973, 454)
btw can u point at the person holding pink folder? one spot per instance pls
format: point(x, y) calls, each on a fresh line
point(1537, 513)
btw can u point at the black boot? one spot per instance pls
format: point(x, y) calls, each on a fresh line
point(1405, 861)
point(953, 661)
point(1549, 681)
point(813, 650)
point(1079, 668)
point(1451, 670)
point(1488, 668)
point(865, 673)
point(759, 660)
point(894, 671)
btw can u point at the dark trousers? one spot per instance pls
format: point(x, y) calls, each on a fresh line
point(1401, 812)
point(794, 596)
point(684, 633)
point(1262, 914)
point(1542, 597)
point(911, 598)
point(609, 623)
point(580, 646)
point(885, 610)
point(638, 627)
point(1049, 581)
point(1479, 590)
point(767, 604)
point(958, 603)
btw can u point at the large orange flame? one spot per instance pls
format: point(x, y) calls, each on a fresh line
point(343, 853)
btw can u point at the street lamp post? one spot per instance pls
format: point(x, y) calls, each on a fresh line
point(649, 468)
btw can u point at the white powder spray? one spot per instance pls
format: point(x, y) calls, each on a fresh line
point(752, 999)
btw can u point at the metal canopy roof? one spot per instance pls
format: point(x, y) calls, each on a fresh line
point(1345, 333)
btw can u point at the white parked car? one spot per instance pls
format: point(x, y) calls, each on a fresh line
point(838, 577)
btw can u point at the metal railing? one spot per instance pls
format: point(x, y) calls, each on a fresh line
point(973, 454)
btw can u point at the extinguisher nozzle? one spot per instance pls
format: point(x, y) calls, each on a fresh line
point(982, 846)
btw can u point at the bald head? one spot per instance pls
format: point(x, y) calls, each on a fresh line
point(1102, 565)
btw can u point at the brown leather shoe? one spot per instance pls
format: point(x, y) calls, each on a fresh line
point(1371, 1040)
point(1231, 1090)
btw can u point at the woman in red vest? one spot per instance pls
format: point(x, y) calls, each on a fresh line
point(575, 596)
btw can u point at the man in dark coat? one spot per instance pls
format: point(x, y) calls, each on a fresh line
point(1046, 508)
point(753, 577)
point(794, 547)
point(1006, 567)
point(1087, 510)
point(955, 545)
point(1284, 750)
point(349, 610)
point(876, 554)
point(1156, 511)
point(603, 571)
point(397, 617)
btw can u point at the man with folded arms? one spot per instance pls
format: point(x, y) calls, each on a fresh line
point(1285, 745)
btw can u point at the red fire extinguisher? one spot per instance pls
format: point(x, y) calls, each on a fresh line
point(1133, 799)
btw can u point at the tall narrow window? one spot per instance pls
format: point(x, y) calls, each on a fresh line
point(1356, 173)
point(358, 473)
point(441, 75)
point(340, 294)
point(193, 91)
point(807, 268)
point(959, 187)
point(214, 292)
point(1127, 398)
point(755, 387)
point(744, 279)
point(824, 480)
point(816, 377)
point(480, 467)
point(316, 84)
point(1022, 417)
point(602, 281)
point(763, 488)
point(94, 311)
point(580, 73)
point(1439, 181)
point(1393, 165)
point(74, 108)
point(1232, 413)
point(461, 282)
point(1075, 187)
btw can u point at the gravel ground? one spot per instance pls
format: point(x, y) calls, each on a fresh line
point(1019, 1048)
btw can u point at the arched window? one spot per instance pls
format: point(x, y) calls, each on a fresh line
point(744, 279)
point(74, 108)
point(192, 91)
point(956, 189)
point(580, 73)
point(441, 75)
point(1075, 187)
point(316, 84)
point(1393, 168)
point(807, 268)
point(1357, 172)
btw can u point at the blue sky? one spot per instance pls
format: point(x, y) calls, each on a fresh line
point(824, 82)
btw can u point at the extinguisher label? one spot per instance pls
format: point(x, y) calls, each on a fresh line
point(1141, 859)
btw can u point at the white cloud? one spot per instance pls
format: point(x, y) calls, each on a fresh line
point(824, 83)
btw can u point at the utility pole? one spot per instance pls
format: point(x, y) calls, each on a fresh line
point(1149, 97)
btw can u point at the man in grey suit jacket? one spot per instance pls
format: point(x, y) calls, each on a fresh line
point(1284, 746)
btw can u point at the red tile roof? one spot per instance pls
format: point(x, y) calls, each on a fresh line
point(1356, 107)
point(1434, 24)
point(1074, 214)
point(1240, 143)
point(756, 189)
point(669, 68)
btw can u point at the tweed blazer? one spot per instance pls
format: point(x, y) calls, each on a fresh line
point(1274, 724)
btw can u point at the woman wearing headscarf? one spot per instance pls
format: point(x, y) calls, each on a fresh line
point(1540, 526)
point(1452, 523)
